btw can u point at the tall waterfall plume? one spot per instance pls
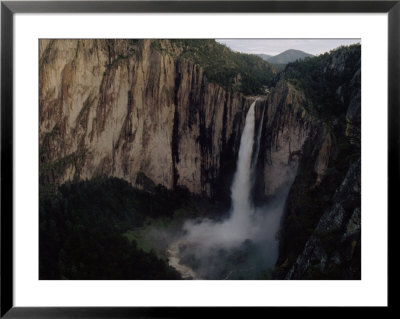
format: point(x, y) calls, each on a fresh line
point(242, 183)
point(249, 230)
point(257, 149)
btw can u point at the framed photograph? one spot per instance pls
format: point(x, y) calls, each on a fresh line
point(161, 158)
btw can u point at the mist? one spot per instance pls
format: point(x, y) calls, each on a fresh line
point(245, 244)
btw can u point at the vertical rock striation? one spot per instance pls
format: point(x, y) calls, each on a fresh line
point(124, 107)
point(287, 124)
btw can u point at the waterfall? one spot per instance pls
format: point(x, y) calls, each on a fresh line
point(242, 185)
point(255, 157)
point(213, 245)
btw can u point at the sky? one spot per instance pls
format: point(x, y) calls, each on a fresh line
point(276, 46)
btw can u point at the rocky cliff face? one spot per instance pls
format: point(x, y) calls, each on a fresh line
point(140, 111)
point(334, 249)
point(126, 108)
point(320, 232)
point(286, 127)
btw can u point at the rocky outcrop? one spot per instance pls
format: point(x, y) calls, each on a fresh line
point(287, 125)
point(334, 249)
point(319, 236)
point(124, 107)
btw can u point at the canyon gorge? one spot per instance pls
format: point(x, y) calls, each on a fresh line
point(166, 118)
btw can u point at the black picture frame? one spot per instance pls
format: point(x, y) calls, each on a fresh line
point(9, 8)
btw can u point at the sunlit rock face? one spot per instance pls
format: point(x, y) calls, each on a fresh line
point(123, 107)
point(120, 107)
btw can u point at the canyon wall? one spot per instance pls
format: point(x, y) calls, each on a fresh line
point(138, 110)
point(286, 127)
point(128, 109)
point(320, 236)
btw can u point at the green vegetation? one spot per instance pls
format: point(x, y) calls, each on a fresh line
point(85, 230)
point(104, 228)
point(145, 182)
point(50, 171)
point(329, 239)
point(239, 72)
point(119, 58)
point(320, 77)
point(133, 41)
point(138, 236)
point(47, 137)
point(156, 45)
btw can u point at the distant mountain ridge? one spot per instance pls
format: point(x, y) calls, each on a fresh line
point(265, 57)
point(285, 57)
